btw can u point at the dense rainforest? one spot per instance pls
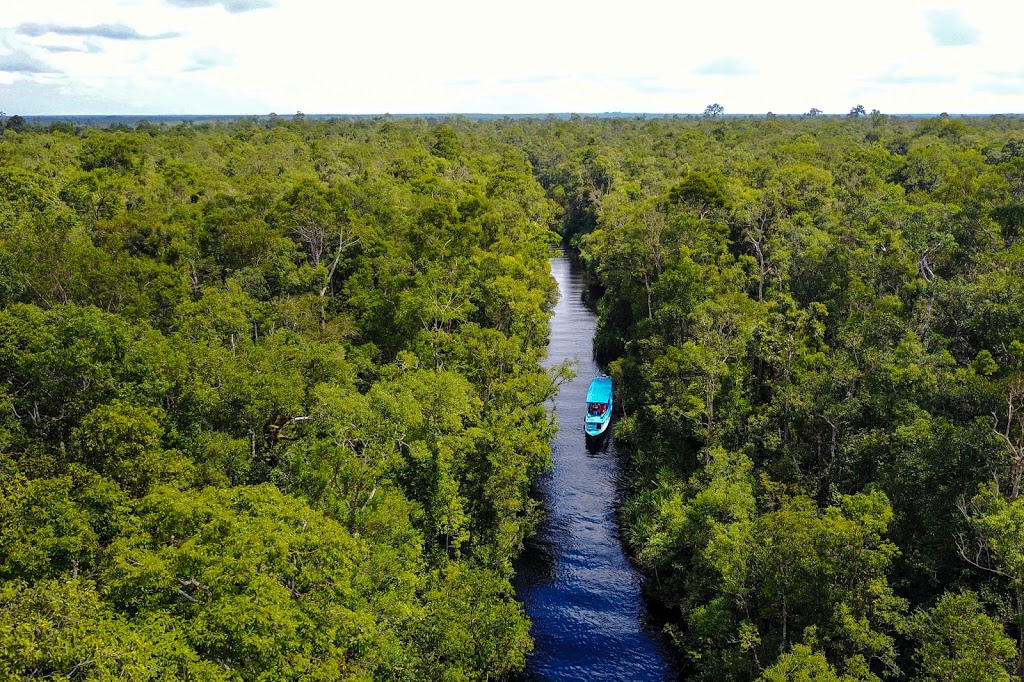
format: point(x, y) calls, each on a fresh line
point(272, 394)
point(816, 326)
point(270, 400)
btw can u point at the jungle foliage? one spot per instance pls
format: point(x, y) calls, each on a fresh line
point(271, 392)
point(270, 400)
point(816, 326)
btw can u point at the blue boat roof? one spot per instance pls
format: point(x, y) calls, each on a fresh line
point(600, 390)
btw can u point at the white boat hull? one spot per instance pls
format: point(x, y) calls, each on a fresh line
point(595, 430)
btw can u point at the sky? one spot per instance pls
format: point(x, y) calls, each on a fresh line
point(67, 57)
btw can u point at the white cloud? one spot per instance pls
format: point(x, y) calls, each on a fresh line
point(19, 62)
point(109, 31)
point(534, 56)
point(207, 58)
point(948, 28)
point(725, 66)
point(233, 6)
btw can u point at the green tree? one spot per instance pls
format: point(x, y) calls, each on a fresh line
point(447, 144)
point(714, 110)
point(803, 664)
point(958, 641)
point(16, 123)
point(124, 443)
point(998, 526)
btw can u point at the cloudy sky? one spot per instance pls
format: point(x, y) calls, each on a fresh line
point(527, 56)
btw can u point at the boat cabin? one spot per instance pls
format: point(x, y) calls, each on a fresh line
point(599, 406)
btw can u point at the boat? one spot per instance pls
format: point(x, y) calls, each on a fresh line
point(599, 406)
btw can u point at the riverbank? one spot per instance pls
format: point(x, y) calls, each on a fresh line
point(581, 592)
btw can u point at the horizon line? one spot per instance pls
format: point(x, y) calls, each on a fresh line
point(582, 114)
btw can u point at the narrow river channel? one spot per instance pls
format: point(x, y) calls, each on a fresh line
point(583, 595)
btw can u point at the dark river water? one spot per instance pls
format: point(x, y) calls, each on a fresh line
point(589, 618)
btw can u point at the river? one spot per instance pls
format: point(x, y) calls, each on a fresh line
point(581, 592)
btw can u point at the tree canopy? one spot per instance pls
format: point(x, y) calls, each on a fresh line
point(815, 328)
point(272, 393)
point(271, 400)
